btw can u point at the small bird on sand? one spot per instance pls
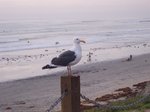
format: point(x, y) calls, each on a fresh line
point(68, 58)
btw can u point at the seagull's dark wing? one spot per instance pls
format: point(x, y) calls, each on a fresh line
point(64, 59)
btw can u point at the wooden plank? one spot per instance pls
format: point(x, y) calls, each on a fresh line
point(71, 102)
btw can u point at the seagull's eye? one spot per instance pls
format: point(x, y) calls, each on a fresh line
point(77, 39)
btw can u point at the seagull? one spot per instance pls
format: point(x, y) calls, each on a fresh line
point(67, 58)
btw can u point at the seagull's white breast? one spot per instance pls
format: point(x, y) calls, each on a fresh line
point(78, 52)
point(78, 58)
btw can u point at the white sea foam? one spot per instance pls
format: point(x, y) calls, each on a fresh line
point(20, 35)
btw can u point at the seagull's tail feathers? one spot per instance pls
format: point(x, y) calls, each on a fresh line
point(48, 67)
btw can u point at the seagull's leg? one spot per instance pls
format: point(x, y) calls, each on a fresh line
point(68, 70)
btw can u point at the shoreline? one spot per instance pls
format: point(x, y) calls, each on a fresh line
point(28, 63)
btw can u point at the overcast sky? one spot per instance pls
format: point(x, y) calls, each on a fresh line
point(73, 8)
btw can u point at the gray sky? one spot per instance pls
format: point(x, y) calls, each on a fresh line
point(73, 8)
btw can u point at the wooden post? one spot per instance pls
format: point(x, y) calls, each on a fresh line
point(71, 102)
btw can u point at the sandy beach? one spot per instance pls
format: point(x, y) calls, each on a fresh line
point(28, 63)
point(25, 87)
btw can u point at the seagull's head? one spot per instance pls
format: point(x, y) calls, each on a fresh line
point(77, 41)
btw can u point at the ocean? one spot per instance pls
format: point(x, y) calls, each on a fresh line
point(33, 34)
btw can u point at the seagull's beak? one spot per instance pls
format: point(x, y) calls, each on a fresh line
point(82, 41)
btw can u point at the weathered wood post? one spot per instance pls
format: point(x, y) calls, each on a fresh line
point(71, 102)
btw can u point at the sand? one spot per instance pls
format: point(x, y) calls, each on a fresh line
point(41, 88)
point(28, 63)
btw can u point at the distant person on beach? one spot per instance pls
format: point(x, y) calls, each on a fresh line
point(130, 58)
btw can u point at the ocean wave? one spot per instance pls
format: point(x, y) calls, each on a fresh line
point(145, 21)
point(29, 35)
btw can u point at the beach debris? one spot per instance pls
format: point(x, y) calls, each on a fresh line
point(20, 102)
point(7, 59)
point(104, 69)
point(120, 93)
point(144, 45)
point(63, 49)
point(126, 89)
point(128, 45)
point(125, 92)
point(95, 49)
point(8, 108)
point(89, 57)
point(56, 43)
point(141, 85)
point(31, 107)
point(42, 55)
point(84, 62)
point(3, 58)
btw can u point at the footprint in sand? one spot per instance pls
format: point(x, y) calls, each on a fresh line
point(8, 108)
point(31, 107)
point(20, 102)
